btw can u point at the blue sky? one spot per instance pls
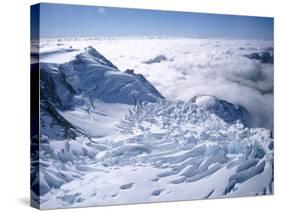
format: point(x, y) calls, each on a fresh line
point(58, 20)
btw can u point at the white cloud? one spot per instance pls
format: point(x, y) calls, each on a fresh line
point(202, 67)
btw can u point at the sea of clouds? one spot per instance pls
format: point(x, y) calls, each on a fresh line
point(182, 68)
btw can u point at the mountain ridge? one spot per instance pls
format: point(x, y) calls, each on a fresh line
point(98, 123)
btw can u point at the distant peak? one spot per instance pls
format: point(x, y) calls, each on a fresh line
point(229, 112)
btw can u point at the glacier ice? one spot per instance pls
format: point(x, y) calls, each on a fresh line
point(110, 137)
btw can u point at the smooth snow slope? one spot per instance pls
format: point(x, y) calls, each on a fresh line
point(109, 137)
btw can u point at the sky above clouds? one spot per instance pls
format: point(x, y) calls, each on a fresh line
point(62, 20)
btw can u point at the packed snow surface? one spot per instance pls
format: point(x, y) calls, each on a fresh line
point(196, 135)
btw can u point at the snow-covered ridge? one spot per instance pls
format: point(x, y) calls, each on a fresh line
point(98, 123)
point(90, 74)
point(89, 77)
point(230, 113)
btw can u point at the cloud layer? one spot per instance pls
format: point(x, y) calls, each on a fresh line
point(183, 68)
point(204, 67)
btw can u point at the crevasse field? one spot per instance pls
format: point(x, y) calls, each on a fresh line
point(150, 119)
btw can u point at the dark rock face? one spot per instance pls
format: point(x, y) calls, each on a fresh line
point(263, 57)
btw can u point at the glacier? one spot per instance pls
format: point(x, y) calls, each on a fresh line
point(110, 137)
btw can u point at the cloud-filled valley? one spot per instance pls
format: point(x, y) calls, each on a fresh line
point(180, 68)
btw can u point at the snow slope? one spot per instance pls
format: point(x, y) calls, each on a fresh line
point(110, 137)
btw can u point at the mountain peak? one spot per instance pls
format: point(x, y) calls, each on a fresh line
point(91, 55)
point(227, 111)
